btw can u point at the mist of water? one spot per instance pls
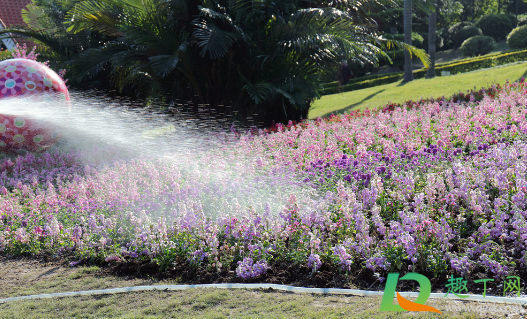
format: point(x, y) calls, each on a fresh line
point(102, 130)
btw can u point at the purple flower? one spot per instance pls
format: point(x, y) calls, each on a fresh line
point(313, 262)
point(248, 269)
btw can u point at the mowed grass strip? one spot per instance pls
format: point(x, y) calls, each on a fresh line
point(399, 92)
point(22, 277)
point(217, 303)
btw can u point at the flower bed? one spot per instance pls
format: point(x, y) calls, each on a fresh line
point(437, 188)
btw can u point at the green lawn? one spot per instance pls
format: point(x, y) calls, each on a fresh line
point(415, 90)
point(26, 276)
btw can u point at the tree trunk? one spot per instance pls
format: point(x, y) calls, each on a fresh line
point(408, 75)
point(431, 72)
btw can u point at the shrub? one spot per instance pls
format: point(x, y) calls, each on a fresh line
point(478, 45)
point(495, 25)
point(449, 34)
point(465, 33)
point(4, 55)
point(443, 38)
point(512, 18)
point(517, 39)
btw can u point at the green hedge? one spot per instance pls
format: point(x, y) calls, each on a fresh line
point(517, 39)
point(454, 67)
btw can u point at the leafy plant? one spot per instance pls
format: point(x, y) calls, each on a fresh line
point(464, 33)
point(478, 45)
point(495, 25)
point(258, 57)
point(517, 39)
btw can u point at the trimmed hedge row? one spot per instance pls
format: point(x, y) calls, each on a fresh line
point(459, 66)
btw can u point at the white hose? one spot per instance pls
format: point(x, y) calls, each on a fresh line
point(325, 291)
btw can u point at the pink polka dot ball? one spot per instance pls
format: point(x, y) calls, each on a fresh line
point(21, 78)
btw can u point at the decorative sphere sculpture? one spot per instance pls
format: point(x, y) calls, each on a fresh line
point(26, 78)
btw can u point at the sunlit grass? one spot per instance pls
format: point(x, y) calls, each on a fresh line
point(422, 88)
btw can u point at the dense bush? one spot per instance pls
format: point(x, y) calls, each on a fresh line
point(448, 35)
point(465, 33)
point(496, 26)
point(512, 18)
point(517, 39)
point(478, 45)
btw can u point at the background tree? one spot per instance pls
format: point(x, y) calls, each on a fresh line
point(268, 58)
point(408, 75)
point(431, 72)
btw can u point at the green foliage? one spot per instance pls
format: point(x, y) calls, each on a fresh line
point(478, 45)
point(417, 39)
point(495, 25)
point(517, 39)
point(512, 18)
point(455, 67)
point(4, 55)
point(464, 33)
point(259, 57)
point(449, 34)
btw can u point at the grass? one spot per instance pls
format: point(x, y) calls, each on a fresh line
point(211, 303)
point(35, 278)
point(422, 88)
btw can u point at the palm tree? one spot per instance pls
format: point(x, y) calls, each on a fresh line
point(45, 20)
point(256, 56)
point(408, 75)
point(431, 72)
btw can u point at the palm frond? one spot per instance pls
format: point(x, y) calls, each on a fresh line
point(419, 53)
point(212, 39)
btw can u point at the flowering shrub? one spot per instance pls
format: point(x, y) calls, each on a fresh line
point(438, 187)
